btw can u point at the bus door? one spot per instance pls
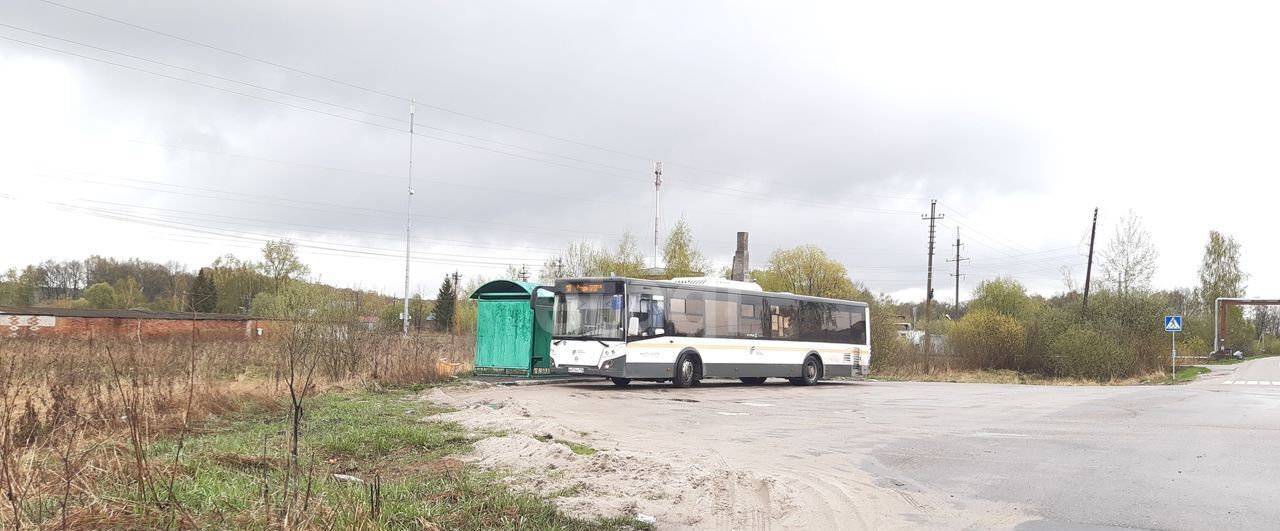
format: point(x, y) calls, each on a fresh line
point(752, 327)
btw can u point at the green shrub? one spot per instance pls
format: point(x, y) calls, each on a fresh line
point(1085, 352)
point(1042, 329)
point(1268, 345)
point(889, 351)
point(1194, 346)
point(101, 295)
point(986, 339)
point(1002, 295)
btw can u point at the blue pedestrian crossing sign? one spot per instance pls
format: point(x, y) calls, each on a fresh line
point(1173, 323)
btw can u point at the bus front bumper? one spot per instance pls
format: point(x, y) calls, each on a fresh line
point(613, 368)
point(617, 368)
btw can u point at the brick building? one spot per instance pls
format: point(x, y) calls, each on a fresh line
point(131, 324)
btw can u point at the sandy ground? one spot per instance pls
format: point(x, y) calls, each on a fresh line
point(685, 484)
point(893, 455)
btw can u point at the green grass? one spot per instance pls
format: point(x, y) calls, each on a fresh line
point(223, 474)
point(1187, 374)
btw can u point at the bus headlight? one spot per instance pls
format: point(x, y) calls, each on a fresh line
point(607, 365)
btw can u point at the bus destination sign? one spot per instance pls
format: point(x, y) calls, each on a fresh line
point(584, 287)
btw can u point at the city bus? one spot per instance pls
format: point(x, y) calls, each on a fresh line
point(685, 330)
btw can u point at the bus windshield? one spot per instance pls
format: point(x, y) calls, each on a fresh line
point(588, 316)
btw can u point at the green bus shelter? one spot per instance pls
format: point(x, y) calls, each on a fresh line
point(509, 339)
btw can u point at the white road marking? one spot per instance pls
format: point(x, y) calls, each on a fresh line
point(731, 413)
point(754, 404)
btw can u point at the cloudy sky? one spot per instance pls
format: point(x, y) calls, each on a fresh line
point(186, 130)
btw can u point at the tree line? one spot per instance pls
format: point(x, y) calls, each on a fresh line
point(1122, 305)
point(1002, 326)
point(229, 284)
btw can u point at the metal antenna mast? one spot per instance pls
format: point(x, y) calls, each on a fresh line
point(657, 207)
point(408, 226)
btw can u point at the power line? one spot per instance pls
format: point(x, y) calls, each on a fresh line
point(1014, 246)
point(284, 202)
point(644, 157)
point(224, 50)
point(302, 243)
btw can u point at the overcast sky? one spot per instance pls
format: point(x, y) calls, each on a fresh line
point(825, 123)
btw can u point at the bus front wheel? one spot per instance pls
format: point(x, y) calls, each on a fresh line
point(687, 371)
point(620, 382)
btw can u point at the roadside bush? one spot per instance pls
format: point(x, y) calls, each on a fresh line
point(1042, 329)
point(1266, 345)
point(1002, 295)
point(889, 351)
point(1085, 352)
point(987, 339)
point(1194, 346)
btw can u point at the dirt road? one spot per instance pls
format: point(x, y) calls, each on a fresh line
point(884, 455)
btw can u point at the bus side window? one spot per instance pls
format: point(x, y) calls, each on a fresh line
point(782, 315)
point(751, 317)
point(657, 315)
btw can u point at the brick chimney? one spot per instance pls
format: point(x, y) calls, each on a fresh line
point(741, 261)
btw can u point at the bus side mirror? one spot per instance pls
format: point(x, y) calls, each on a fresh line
point(633, 326)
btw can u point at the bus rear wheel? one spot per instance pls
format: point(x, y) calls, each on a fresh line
point(620, 382)
point(809, 372)
point(688, 371)
point(752, 380)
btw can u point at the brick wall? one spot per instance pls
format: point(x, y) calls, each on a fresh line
point(112, 327)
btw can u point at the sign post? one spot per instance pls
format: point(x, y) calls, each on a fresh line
point(1173, 325)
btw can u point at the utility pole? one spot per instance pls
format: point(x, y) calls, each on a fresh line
point(933, 217)
point(657, 210)
point(408, 227)
point(524, 273)
point(957, 274)
point(1088, 272)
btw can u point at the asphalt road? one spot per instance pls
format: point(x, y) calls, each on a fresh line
point(1199, 456)
point(1264, 372)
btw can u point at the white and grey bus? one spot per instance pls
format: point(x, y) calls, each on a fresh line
point(685, 330)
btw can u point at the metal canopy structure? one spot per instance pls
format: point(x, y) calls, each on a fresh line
point(1219, 320)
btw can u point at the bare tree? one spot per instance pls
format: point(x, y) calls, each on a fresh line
point(1129, 260)
point(1068, 279)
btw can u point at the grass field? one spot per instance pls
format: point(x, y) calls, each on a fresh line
point(1188, 374)
point(1005, 376)
point(375, 436)
point(146, 436)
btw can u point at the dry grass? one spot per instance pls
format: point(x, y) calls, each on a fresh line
point(77, 418)
point(1006, 376)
